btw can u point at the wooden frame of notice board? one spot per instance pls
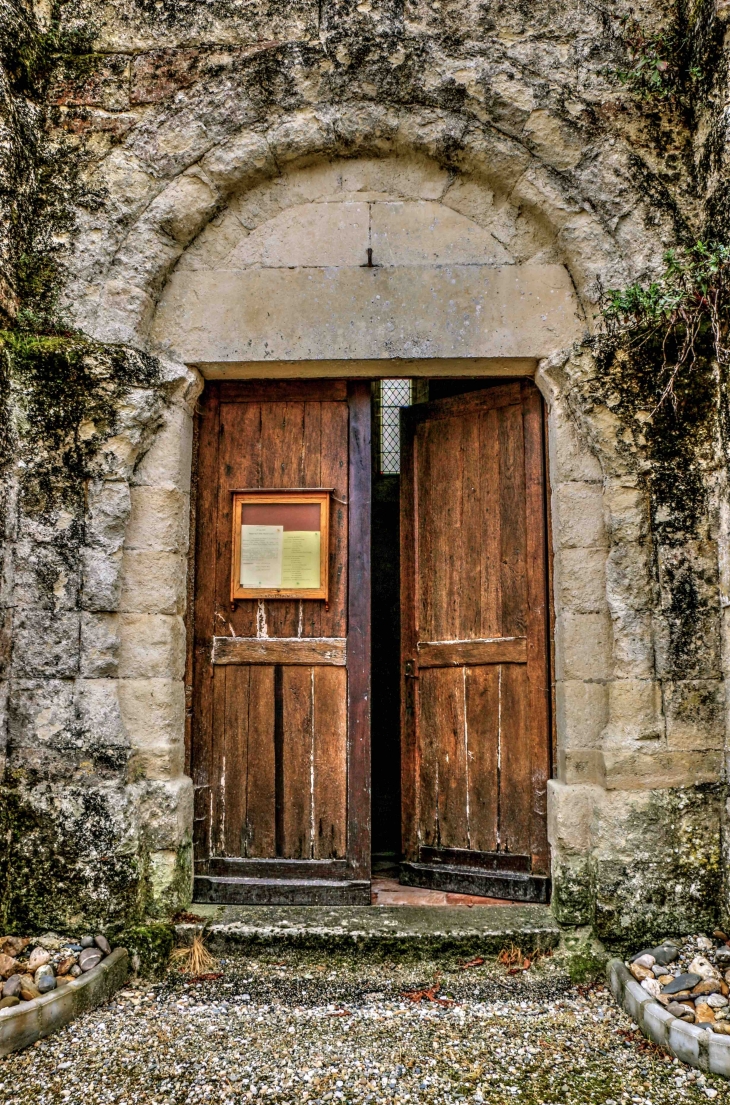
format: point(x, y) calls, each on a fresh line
point(280, 543)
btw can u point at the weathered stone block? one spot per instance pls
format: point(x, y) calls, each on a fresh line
point(582, 713)
point(319, 234)
point(578, 513)
point(151, 646)
point(695, 713)
point(107, 514)
point(580, 580)
point(152, 582)
point(167, 462)
point(583, 646)
point(45, 644)
point(101, 580)
point(635, 770)
point(158, 519)
point(99, 645)
point(421, 233)
point(570, 815)
point(153, 712)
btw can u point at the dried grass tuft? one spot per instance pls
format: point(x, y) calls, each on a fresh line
point(193, 959)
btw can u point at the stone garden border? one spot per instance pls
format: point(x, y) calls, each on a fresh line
point(32, 1020)
point(696, 1046)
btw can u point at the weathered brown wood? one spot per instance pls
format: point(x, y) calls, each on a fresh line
point(288, 890)
point(358, 630)
point(203, 623)
point(425, 829)
point(280, 650)
point(283, 391)
point(537, 626)
point(298, 762)
point(490, 555)
point(471, 857)
point(234, 773)
point(453, 822)
point(445, 654)
point(513, 522)
point(409, 715)
point(482, 724)
point(503, 395)
point(217, 763)
point(275, 778)
point(261, 782)
point(515, 775)
point(243, 867)
point(474, 644)
point(329, 763)
point(190, 601)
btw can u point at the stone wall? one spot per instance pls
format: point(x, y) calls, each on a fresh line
point(184, 126)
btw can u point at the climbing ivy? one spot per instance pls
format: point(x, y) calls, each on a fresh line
point(686, 307)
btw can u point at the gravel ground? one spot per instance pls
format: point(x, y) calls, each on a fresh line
point(307, 1028)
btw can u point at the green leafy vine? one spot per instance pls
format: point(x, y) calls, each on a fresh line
point(687, 306)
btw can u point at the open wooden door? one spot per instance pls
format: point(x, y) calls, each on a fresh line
point(280, 703)
point(475, 703)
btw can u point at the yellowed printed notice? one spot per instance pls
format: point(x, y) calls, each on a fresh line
point(300, 560)
point(261, 556)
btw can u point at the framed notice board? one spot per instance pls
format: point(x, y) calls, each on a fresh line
point(280, 544)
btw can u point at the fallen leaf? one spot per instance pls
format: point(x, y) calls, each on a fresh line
point(472, 963)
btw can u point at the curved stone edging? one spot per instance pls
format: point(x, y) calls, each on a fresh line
point(31, 1020)
point(696, 1046)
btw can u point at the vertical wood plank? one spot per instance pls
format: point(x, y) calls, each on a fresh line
point(239, 466)
point(205, 559)
point(425, 830)
point(282, 465)
point(513, 521)
point(537, 625)
point(297, 753)
point(190, 600)
point(411, 710)
point(491, 542)
point(515, 776)
point(309, 614)
point(469, 587)
point(218, 765)
point(260, 782)
point(330, 763)
point(440, 526)
point(358, 631)
point(334, 472)
point(235, 739)
point(452, 759)
point(482, 724)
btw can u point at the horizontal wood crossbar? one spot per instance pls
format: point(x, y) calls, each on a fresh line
point(277, 868)
point(466, 857)
point(286, 891)
point(447, 654)
point(309, 651)
point(513, 886)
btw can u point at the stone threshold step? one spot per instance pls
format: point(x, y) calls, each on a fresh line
point(418, 931)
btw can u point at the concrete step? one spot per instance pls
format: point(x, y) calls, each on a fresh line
point(418, 931)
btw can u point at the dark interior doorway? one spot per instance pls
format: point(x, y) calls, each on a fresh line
point(386, 682)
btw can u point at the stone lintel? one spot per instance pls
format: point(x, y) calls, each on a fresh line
point(424, 311)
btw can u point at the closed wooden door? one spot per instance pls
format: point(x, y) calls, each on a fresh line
point(475, 714)
point(280, 687)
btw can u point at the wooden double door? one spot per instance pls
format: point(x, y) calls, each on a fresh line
point(280, 688)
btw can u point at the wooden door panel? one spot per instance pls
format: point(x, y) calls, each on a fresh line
point(273, 702)
point(475, 701)
point(481, 686)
